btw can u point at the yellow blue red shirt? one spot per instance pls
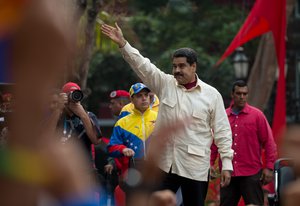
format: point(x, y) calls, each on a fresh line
point(132, 131)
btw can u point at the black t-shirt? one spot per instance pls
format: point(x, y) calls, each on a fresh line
point(73, 130)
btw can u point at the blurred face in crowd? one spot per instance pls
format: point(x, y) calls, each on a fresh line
point(115, 106)
point(141, 100)
point(183, 71)
point(239, 97)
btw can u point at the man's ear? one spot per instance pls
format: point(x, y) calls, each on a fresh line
point(194, 65)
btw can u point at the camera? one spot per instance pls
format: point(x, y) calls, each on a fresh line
point(75, 96)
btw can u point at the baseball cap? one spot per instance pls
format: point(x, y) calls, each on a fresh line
point(70, 86)
point(118, 93)
point(136, 88)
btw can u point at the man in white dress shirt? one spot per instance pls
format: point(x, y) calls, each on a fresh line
point(186, 159)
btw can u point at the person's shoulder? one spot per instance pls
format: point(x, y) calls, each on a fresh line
point(93, 117)
point(128, 108)
point(123, 114)
point(91, 114)
point(126, 123)
point(254, 111)
point(125, 119)
point(207, 87)
point(210, 91)
point(228, 110)
point(153, 113)
point(253, 108)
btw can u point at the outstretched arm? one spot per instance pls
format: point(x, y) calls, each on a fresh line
point(153, 77)
point(114, 33)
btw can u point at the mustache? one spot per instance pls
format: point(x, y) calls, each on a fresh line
point(178, 74)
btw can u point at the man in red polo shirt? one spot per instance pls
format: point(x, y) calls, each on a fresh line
point(250, 134)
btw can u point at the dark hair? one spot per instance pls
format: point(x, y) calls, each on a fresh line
point(190, 54)
point(239, 83)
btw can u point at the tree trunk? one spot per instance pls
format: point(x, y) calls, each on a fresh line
point(79, 7)
point(89, 42)
point(263, 72)
point(79, 66)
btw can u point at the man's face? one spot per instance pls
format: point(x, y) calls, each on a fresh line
point(240, 96)
point(183, 72)
point(115, 106)
point(141, 100)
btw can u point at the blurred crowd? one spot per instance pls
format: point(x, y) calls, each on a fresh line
point(172, 143)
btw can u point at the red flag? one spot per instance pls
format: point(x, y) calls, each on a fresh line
point(267, 15)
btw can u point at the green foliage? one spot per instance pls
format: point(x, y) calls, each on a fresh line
point(108, 72)
point(146, 6)
point(163, 26)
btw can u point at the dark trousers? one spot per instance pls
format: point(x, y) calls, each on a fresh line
point(193, 192)
point(249, 187)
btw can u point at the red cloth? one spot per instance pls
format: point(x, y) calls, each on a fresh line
point(122, 165)
point(120, 198)
point(105, 140)
point(214, 154)
point(121, 162)
point(190, 85)
point(241, 202)
point(251, 132)
point(267, 15)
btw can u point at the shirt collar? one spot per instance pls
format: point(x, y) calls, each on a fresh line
point(138, 112)
point(245, 110)
point(198, 84)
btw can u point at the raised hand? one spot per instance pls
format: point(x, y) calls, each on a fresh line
point(127, 152)
point(114, 33)
point(77, 109)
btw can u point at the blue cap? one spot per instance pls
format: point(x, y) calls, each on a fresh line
point(136, 88)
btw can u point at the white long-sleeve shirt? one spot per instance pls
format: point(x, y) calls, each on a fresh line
point(187, 152)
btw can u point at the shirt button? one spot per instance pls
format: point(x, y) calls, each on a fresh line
point(235, 134)
point(237, 117)
point(234, 162)
point(235, 153)
point(235, 125)
point(234, 144)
